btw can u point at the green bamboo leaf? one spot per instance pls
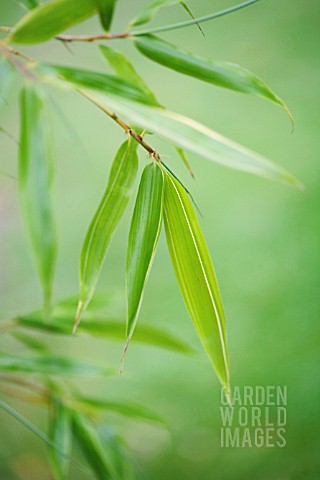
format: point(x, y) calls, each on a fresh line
point(30, 4)
point(222, 74)
point(105, 221)
point(195, 274)
point(88, 440)
point(49, 19)
point(61, 435)
point(124, 69)
point(30, 341)
point(103, 327)
point(102, 82)
point(49, 364)
point(106, 9)
point(197, 138)
point(143, 238)
point(130, 410)
point(149, 11)
point(182, 154)
point(35, 179)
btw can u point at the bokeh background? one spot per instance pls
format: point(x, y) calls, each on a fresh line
point(264, 240)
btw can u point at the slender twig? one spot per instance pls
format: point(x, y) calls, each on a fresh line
point(123, 125)
point(91, 38)
point(134, 33)
point(41, 390)
point(194, 21)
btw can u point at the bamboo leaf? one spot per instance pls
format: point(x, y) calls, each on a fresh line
point(35, 179)
point(106, 9)
point(30, 4)
point(46, 364)
point(30, 341)
point(124, 69)
point(49, 19)
point(222, 74)
point(103, 327)
point(97, 81)
point(193, 136)
point(182, 154)
point(195, 274)
point(143, 238)
point(106, 220)
point(127, 409)
point(149, 11)
point(92, 449)
point(61, 435)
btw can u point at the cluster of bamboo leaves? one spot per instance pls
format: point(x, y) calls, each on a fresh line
point(161, 199)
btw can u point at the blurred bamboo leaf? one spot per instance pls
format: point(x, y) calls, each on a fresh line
point(195, 274)
point(223, 74)
point(150, 10)
point(49, 19)
point(61, 435)
point(92, 449)
point(94, 80)
point(105, 221)
point(30, 341)
point(124, 69)
point(35, 178)
point(30, 4)
point(103, 327)
point(182, 154)
point(197, 138)
point(106, 9)
point(127, 409)
point(143, 238)
point(50, 364)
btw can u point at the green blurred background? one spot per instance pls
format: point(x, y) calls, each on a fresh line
point(264, 240)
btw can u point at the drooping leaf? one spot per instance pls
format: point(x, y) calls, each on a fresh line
point(105, 221)
point(61, 435)
point(195, 274)
point(95, 80)
point(197, 138)
point(103, 327)
point(88, 440)
point(49, 364)
point(124, 69)
point(118, 454)
point(49, 19)
point(127, 409)
point(106, 9)
point(150, 10)
point(30, 4)
point(223, 74)
point(143, 238)
point(35, 178)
